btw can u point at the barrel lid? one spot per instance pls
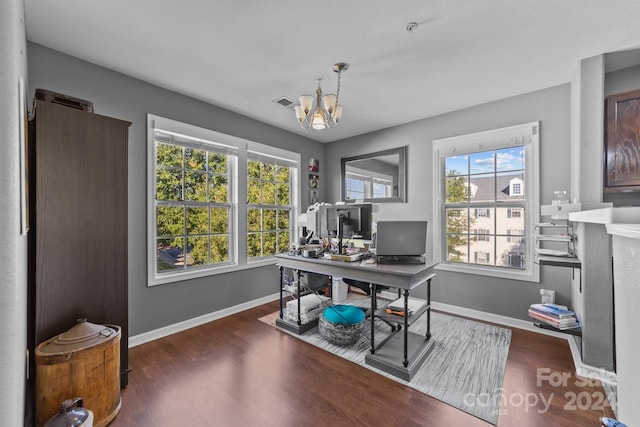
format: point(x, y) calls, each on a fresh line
point(71, 414)
point(83, 335)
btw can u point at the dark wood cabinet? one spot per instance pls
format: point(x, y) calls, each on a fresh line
point(622, 142)
point(78, 222)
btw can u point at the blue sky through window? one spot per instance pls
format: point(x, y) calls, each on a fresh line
point(482, 162)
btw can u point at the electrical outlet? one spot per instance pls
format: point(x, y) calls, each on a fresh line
point(548, 296)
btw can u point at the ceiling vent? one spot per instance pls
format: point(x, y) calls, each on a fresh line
point(286, 102)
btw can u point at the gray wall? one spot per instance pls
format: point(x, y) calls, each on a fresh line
point(13, 267)
point(623, 80)
point(551, 107)
point(126, 98)
point(123, 97)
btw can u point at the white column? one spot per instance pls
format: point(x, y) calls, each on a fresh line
point(13, 267)
point(626, 254)
point(587, 127)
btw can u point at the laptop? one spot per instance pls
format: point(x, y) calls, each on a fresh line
point(401, 242)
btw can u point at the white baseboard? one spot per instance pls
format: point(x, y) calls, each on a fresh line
point(197, 321)
point(581, 368)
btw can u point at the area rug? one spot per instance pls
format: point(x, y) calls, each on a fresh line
point(465, 369)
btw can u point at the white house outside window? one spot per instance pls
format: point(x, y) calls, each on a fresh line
point(486, 185)
point(196, 224)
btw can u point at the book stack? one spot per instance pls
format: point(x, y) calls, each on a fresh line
point(557, 316)
point(397, 306)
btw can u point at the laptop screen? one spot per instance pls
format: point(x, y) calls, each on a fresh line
point(399, 238)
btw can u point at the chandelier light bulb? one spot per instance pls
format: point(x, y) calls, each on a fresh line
point(338, 113)
point(300, 114)
point(330, 102)
point(306, 102)
point(318, 120)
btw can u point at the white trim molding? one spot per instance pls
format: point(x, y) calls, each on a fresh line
point(581, 368)
point(155, 334)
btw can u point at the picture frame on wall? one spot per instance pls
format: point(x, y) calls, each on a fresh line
point(314, 181)
point(314, 197)
point(314, 165)
point(622, 142)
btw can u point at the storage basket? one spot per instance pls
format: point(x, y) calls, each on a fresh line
point(341, 324)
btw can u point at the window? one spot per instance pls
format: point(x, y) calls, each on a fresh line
point(516, 187)
point(515, 236)
point(482, 257)
point(514, 213)
point(481, 213)
point(482, 234)
point(196, 178)
point(269, 207)
point(486, 185)
point(355, 185)
point(360, 187)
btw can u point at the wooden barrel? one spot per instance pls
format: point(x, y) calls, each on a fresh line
point(82, 362)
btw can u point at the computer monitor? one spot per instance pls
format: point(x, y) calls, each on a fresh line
point(351, 221)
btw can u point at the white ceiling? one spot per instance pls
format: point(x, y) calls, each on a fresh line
point(243, 54)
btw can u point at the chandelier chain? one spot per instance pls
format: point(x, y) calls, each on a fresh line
point(326, 110)
point(338, 90)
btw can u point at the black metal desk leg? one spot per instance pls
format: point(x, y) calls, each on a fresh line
point(405, 360)
point(429, 309)
point(372, 289)
point(299, 275)
point(281, 285)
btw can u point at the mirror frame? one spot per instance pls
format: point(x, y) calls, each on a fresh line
point(402, 175)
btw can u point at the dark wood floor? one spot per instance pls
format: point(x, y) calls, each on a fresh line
point(238, 371)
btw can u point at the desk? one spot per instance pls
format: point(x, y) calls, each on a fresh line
point(404, 277)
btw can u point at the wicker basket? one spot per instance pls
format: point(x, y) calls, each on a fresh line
point(340, 333)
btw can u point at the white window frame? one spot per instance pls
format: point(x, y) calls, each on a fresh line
point(267, 155)
point(241, 147)
point(527, 135)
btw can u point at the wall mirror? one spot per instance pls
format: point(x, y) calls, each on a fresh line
point(375, 177)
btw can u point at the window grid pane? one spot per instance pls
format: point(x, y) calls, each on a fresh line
point(268, 208)
point(193, 210)
point(478, 229)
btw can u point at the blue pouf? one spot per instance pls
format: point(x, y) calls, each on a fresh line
point(341, 324)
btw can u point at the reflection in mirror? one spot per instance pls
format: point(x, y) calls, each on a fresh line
point(375, 177)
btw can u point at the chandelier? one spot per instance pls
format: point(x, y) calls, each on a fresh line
point(326, 112)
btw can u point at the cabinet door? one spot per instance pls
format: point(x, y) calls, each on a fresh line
point(622, 142)
point(81, 221)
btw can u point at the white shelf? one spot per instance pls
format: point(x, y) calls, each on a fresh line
point(554, 237)
point(560, 211)
point(563, 254)
point(558, 261)
point(551, 252)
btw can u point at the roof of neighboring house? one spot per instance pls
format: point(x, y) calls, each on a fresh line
point(485, 189)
